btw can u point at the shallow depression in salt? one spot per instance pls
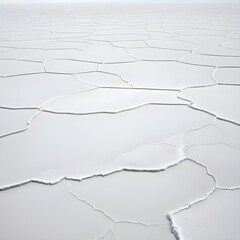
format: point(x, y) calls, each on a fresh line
point(119, 122)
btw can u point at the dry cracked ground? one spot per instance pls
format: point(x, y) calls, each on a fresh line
point(119, 122)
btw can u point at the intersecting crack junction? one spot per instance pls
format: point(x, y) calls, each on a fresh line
point(119, 122)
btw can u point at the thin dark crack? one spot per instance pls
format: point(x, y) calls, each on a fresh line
point(191, 103)
point(92, 176)
point(172, 227)
point(114, 112)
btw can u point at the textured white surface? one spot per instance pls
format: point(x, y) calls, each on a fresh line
point(119, 122)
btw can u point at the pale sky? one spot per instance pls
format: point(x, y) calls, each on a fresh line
point(120, 1)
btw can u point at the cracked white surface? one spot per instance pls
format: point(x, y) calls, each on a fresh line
point(221, 160)
point(146, 187)
point(8, 123)
point(216, 61)
point(161, 74)
point(103, 79)
point(119, 131)
point(103, 54)
point(97, 100)
point(33, 90)
point(119, 122)
point(200, 222)
point(70, 66)
point(54, 214)
point(20, 67)
point(222, 107)
point(228, 75)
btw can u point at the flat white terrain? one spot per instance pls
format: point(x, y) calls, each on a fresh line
point(119, 122)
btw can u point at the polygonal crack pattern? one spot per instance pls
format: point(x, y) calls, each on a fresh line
point(119, 122)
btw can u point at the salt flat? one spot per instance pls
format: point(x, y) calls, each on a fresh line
point(119, 122)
